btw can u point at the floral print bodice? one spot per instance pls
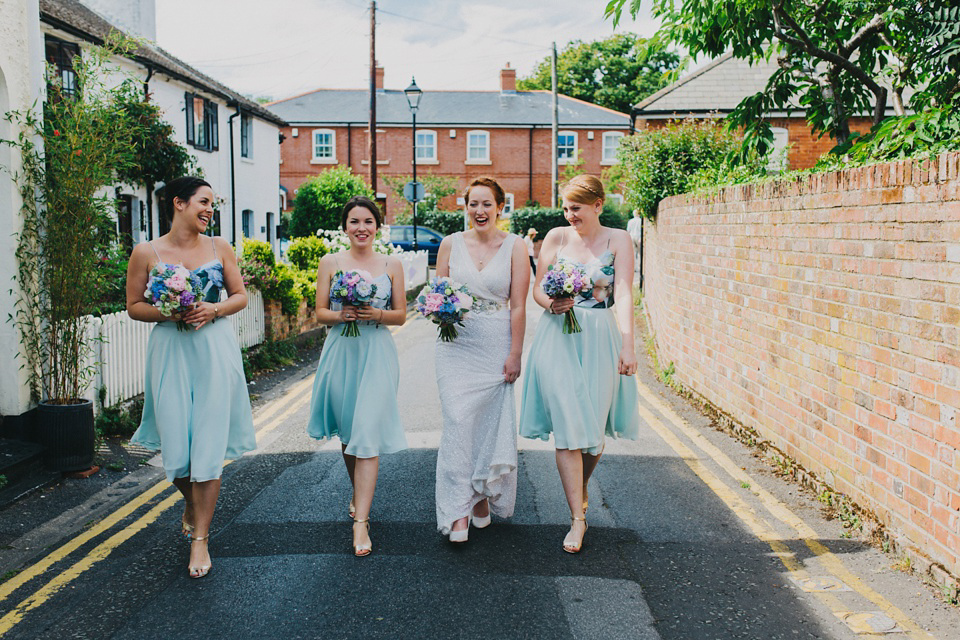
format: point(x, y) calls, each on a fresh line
point(600, 270)
point(211, 277)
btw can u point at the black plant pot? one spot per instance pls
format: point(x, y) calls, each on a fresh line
point(67, 433)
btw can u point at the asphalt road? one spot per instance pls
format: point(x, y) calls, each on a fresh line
point(690, 537)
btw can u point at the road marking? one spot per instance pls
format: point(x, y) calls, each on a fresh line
point(296, 397)
point(773, 506)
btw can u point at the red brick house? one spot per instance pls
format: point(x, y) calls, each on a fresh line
point(714, 91)
point(462, 134)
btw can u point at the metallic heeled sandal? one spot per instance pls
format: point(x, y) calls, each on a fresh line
point(362, 549)
point(569, 548)
point(201, 571)
point(186, 529)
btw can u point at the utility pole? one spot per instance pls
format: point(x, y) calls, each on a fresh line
point(372, 137)
point(554, 129)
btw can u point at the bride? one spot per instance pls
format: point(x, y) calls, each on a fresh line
point(477, 459)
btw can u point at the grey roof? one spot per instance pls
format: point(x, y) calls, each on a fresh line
point(445, 108)
point(719, 86)
point(75, 18)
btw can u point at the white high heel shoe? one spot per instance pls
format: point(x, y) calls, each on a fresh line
point(481, 522)
point(461, 536)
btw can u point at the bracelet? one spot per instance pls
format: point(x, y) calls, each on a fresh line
point(550, 308)
point(216, 313)
point(380, 321)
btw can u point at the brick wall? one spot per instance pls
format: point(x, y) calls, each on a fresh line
point(280, 326)
point(511, 151)
point(824, 313)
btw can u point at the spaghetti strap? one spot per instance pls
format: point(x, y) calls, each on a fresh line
point(215, 256)
point(563, 239)
point(608, 240)
point(150, 242)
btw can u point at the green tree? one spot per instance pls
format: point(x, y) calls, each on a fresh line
point(616, 73)
point(435, 187)
point(836, 57)
point(321, 198)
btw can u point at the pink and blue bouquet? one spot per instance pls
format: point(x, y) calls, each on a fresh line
point(173, 289)
point(445, 303)
point(353, 288)
point(566, 279)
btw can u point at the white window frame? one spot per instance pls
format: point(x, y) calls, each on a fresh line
point(779, 159)
point(427, 159)
point(486, 158)
point(610, 135)
point(573, 158)
point(507, 204)
point(314, 159)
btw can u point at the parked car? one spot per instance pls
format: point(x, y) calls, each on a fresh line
point(427, 238)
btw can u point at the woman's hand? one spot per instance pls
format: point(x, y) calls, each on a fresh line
point(560, 305)
point(511, 368)
point(628, 361)
point(368, 312)
point(201, 314)
point(349, 313)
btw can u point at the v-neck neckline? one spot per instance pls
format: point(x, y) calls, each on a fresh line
point(495, 254)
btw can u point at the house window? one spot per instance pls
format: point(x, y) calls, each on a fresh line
point(478, 147)
point(246, 136)
point(426, 146)
point(60, 55)
point(611, 142)
point(778, 159)
point(508, 204)
point(324, 146)
point(247, 221)
point(566, 147)
point(202, 123)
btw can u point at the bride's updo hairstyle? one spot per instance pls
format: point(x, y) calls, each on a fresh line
point(364, 203)
point(583, 189)
point(491, 184)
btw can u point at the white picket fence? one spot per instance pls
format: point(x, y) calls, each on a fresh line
point(120, 349)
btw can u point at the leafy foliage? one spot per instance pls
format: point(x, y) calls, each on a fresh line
point(445, 222)
point(276, 282)
point(616, 72)
point(305, 253)
point(321, 198)
point(159, 157)
point(544, 218)
point(119, 421)
point(435, 187)
point(836, 57)
point(87, 141)
point(663, 162)
point(110, 295)
point(258, 250)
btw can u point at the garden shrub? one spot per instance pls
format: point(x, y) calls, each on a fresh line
point(305, 253)
point(320, 200)
point(544, 218)
point(445, 222)
point(659, 163)
point(258, 250)
point(306, 284)
point(110, 294)
point(276, 282)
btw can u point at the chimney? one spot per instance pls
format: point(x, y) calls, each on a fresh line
point(508, 80)
point(378, 77)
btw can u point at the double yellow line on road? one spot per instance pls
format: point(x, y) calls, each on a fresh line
point(756, 522)
point(272, 416)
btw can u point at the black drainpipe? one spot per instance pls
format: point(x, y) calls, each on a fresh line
point(233, 180)
point(350, 149)
point(530, 154)
point(149, 185)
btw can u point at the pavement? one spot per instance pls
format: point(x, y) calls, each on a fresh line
point(691, 536)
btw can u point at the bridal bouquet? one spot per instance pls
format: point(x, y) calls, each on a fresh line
point(353, 289)
point(444, 302)
point(566, 279)
point(172, 289)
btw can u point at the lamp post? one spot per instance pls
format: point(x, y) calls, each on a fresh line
point(413, 94)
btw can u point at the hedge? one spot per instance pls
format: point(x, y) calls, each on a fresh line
point(544, 218)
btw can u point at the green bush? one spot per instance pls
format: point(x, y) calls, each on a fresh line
point(277, 282)
point(445, 222)
point(258, 250)
point(659, 163)
point(305, 253)
point(119, 421)
point(306, 284)
point(544, 218)
point(320, 200)
point(110, 294)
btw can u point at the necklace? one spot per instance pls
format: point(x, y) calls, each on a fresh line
point(486, 256)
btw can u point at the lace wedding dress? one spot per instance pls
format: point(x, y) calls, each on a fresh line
point(477, 458)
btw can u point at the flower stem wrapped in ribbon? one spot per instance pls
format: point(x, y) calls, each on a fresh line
point(355, 289)
point(173, 289)
point(566, 279)
point(445, 303)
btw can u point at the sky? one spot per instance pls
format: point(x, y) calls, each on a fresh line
point(283, 48)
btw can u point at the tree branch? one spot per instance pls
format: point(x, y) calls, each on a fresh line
point(876, 24)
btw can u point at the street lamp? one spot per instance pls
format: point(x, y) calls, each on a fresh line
point(413, 94)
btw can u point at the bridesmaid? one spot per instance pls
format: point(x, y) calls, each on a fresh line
point(477, 458)
point(574, 385)
point(355, 389)
point(195, 409)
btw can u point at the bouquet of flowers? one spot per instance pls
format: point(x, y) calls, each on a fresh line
point(566, 279)
point(173, 289)
point(444, 302)
point(352, 288)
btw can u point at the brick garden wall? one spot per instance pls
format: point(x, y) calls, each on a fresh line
point(824, 313)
